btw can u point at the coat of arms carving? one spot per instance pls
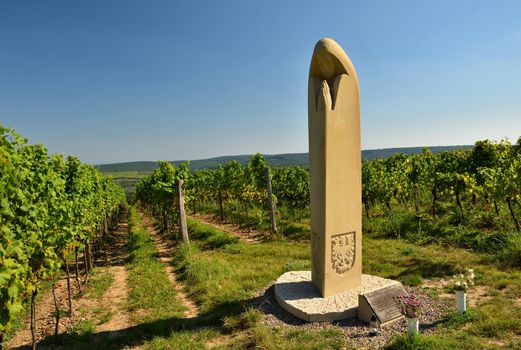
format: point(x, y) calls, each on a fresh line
point(343, 252)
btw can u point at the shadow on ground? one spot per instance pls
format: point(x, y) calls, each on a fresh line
point(426, 268)
point(139, 334)
point(142, 333)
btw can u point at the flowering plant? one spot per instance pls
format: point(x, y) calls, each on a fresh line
point(464, 281)
point(410, 305)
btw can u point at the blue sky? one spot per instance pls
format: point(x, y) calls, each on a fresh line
point(129, 80)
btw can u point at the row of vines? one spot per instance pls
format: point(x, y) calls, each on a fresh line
point(486, 178)
point(50, 208)
point(490, 171)
point(232, 187)
point(158, 194)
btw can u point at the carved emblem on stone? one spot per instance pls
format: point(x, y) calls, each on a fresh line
point(343, 252)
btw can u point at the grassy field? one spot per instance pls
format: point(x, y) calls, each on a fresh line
point(227, 279)
point(224, 276)
point(127, 179)
point(131, 174)
point(479, 230)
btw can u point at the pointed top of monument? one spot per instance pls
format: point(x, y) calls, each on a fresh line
point(330, 60)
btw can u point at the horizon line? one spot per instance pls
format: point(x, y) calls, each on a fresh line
point(268, 154)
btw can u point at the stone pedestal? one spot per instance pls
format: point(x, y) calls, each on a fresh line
point(296, 293)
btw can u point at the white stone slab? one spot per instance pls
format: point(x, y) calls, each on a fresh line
point(296, 293)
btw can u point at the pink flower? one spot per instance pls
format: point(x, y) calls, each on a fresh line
point(410, 305)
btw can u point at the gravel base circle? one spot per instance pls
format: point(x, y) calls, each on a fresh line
point(435, 310)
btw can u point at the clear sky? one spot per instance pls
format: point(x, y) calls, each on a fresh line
point(130, 80)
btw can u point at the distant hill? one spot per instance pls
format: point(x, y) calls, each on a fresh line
point(383, 153)
point(277, 160)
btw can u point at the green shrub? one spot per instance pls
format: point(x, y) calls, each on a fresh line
point(398, 225)
point(492, 242)
point(485, 220)
point(510, 255)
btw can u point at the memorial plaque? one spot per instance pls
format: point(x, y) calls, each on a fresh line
point(381, 303)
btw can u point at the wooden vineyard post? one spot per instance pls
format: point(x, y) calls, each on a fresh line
point(77, 269)
point(56, 310)
point(417, 203)
point(85, 263)
point(221, 208)
point(270, 202)
point(68, 285)
point(90, 261)
point(33, 319)
point(182, 215)
point(514, 218)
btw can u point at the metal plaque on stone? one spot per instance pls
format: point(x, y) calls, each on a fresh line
point(381, 303)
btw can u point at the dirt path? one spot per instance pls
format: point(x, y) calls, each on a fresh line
point(116, 296)
point(106, 312)
point(45, 315)
point(165, 248)
point(246, 235)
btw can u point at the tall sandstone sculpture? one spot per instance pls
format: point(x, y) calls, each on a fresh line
point(335, 288)
point(335, 166)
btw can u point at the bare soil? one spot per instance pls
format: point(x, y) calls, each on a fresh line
point(116, 296)
point(476, 295)
point(45, 319)
point(112, 302)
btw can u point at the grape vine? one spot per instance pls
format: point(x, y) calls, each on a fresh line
point(49, 207)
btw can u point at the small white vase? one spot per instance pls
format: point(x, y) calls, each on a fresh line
point(412, 326)
point(461, 299)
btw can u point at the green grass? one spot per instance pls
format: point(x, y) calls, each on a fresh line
point(151, 294)
point(207, 236)
point(495, 325)
point(434, 342)
point(496, 321)
point(231, 273)
point(103, 315)
point(82, 327)
point(224, 276)
point(222, 279)
point(478, 228)
point(98, 284)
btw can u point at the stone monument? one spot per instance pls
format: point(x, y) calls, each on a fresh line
point(331, 291)
point(335, 170)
